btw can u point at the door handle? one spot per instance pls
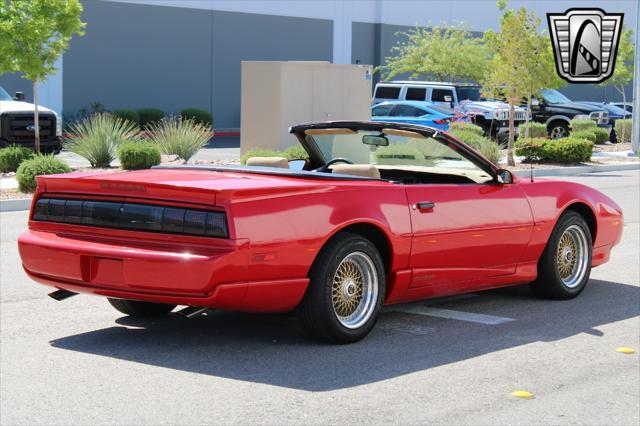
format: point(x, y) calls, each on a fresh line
point(426, 205)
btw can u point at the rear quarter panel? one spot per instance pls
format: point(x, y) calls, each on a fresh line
point(286, 230)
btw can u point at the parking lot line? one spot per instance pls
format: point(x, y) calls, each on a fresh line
point(451, 314)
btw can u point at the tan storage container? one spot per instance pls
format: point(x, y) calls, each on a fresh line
point(277, 95)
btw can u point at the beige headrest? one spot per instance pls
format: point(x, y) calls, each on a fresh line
point(366, 170)
point(279, 162)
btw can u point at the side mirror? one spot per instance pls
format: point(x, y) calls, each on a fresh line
point(297, 164)
point(448, 98)
point(19, 96)
point(504, 176)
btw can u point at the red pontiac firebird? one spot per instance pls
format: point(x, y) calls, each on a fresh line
point(381, 213)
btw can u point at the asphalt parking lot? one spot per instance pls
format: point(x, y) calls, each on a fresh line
point(453, 361)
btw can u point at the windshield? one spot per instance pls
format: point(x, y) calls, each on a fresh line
point(554, 97)
point(468, 93)
point(4, 96)
point(405, 150)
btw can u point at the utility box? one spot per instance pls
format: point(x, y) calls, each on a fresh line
point(277, 95)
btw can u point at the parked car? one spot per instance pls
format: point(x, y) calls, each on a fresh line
point(412, 112)
point(382, 213)
point(627, 106)
point(614, 113)
point(17, 125)
point(556, 111)
point(462, 99)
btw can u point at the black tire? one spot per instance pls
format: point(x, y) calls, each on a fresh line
point(136, 308)
point(550, 283)
point(558, 129)
point(316, 311)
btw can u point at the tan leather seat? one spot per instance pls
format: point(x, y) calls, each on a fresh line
point(279, 162)
point(365, 170)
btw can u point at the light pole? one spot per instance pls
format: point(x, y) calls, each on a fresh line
point(635, 127)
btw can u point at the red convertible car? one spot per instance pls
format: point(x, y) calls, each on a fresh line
point(381, 213)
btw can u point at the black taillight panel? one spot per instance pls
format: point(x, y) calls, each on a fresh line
point(132, 216)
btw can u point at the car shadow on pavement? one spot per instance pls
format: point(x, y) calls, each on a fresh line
point(271, 349)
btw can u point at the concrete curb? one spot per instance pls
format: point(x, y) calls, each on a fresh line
point(15, 205)
point(578, 170)
point(25, 203)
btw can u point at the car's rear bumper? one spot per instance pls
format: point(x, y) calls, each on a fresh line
point(181, 274)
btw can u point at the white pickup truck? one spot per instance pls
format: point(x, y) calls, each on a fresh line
point(17, 127)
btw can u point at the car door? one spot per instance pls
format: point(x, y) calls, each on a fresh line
point(408, 114)
point(465, 232)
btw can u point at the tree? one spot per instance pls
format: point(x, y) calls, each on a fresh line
point(623, 71)
point(445, 53)
point(33, 35)
point(522, 63)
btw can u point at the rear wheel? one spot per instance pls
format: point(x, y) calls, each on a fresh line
point(346, 290)
point(565, 265)
point(136, 308)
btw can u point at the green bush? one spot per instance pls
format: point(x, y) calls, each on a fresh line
point(36, 166)
point(485, 146)
point(602, 135)
point(97, 137)
point(536, 130)
point(568, 150)
point(12, 156)
point(128, 114)
point(530, 149)
point(295, 152)
point(138, 155)
point(201, 116)
point(578, 124)
point(626, 135)
point(585, 134)
point(179, 137)
point(149, 116)
point(565, 150)
point(470, 127)
point(260, 152)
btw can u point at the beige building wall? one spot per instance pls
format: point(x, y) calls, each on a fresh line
point(277, 95)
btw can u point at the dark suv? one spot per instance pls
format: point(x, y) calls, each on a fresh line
point(556, 110)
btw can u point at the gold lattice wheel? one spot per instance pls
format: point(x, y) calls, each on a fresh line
point(354, 289)
point(572, 257)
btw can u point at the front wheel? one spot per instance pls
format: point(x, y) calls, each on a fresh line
point(136, 308)
point(565, 264)
point(346, 290)
point(558, 130)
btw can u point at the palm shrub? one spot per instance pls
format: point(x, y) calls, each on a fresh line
point(470, 127)
point(585, 134)
point(578, 124)
point(485, 146)
point(180, 137)
point(37, 166)
point(260, 152)
point(138, 155)
point(626, 135)
point(149, 117)
point(128, 114)
point(97, 137)
point(12, 156)
point(536, 130)
point(201, 116)
point(296, 152)
point(602, 135)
